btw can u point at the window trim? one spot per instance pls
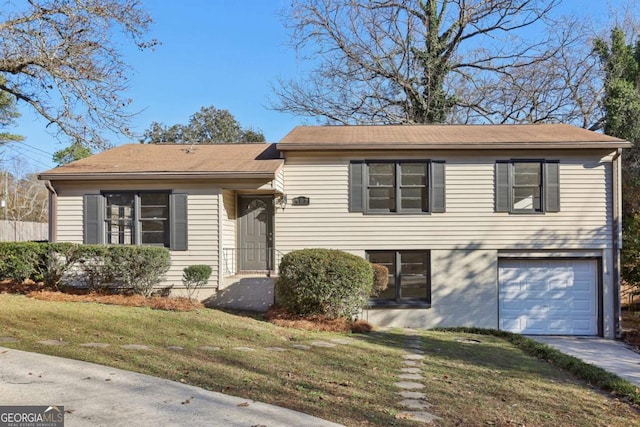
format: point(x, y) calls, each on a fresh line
point(137, 216)
point(545, 184)
point(94, 219)
point(512, 185)
point(358, 194)
point(400, 302)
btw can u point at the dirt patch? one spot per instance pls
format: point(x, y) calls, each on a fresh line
point(280, 317)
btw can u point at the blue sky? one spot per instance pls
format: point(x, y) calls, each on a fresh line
point(214, 52)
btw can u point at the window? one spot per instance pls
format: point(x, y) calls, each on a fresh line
point(396, 187)
point(409, 277)
point(525, 186)
point(136, 218)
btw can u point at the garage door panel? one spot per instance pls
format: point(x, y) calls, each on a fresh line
point(559, 284)
point(548, 296)
point(582, 286)
point(582, 306)
point(557, 306)
point(510, 324)
point(560, 326)
point(534, 324)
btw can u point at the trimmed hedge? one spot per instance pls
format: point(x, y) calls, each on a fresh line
point(323, 282)
point(124, 267)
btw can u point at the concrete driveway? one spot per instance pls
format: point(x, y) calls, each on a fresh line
point(95, 395)
point(612, 356)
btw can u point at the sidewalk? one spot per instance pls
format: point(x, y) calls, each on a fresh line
point(95, 395)
point(612, 356)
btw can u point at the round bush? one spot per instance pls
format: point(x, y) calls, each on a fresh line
point(380, 279)
point(323, 281)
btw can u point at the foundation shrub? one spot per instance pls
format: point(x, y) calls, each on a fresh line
point(323, 282)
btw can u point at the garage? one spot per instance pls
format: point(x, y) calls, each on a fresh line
point(548, 296)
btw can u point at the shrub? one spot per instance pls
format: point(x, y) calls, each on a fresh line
point(323, 282)
point(194, 277)
point(125, 267)
point(380, 279)
point(133, 268)
point(56, 259)
point(19, 260)
point(137, 268)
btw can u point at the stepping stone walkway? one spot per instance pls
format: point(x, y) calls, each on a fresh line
point(9, 339)
point(95, 344)
point(322, 344)
point(210, 348)
point(301, 347)
point(414, 401)
point(175, 347)
point(52, 342)
point(135, 347)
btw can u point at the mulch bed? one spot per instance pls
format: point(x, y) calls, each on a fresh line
point(39, 291)
point(280, 317)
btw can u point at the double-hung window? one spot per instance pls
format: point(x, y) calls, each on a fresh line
point(396, 186)
point(157, 218)
point(527, 186)
point(409, 277)
point(137, 218)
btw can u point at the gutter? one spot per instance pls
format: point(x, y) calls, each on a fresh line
point(450, 146)
point(73, 176)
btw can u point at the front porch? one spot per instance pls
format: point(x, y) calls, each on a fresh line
point(248, 259)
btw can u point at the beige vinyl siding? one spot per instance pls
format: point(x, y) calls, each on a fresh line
point(279, 181)
point(203, 202)
point(469, 220)
point(69, 218)
point(453, 301)
point(466, 241)
point(229, 233)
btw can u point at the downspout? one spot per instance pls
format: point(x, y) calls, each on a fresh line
point(221, 260)
point(617, 240)
point(53, 209)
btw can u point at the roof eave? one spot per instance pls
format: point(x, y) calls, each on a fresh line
point(454, 146)
point(110, 176)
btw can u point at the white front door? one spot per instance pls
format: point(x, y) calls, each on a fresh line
point(548, 296)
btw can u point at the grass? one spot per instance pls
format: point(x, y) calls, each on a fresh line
point(488, 383)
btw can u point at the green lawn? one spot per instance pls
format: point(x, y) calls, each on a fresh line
point(486, 383)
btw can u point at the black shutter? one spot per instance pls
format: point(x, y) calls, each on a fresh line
point(93, 219)
point(356, 186)
point(552, 187)
point(437, 187)
point(179, 223)
point(503, 187)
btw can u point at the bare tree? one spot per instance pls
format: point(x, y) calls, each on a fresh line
point(565, 85)
point(62, 58)
point(428, 61)
point(26, 198)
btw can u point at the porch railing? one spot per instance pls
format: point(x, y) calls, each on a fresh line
point(231, 256)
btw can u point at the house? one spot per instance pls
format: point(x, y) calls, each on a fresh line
point(515, 227)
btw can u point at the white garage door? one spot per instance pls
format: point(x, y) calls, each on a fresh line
point(548, 297)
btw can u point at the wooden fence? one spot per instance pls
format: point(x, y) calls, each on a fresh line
point(19, 231)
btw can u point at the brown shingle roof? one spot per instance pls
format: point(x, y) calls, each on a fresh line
point(173, 160)
point(554, 136)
